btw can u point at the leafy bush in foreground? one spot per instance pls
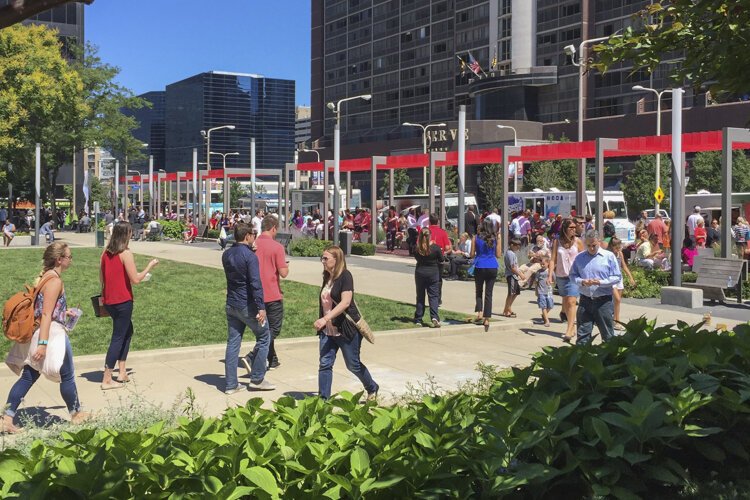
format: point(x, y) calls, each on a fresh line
point(363, 249)
point(652, 413)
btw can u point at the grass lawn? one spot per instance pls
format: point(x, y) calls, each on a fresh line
point(182, 305)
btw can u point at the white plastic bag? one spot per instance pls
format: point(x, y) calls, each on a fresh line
point(22, 354)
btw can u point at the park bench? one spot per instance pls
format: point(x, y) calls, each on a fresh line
point(284, 239)
point(714, 276)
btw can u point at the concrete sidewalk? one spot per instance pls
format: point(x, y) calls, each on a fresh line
point(399, 358)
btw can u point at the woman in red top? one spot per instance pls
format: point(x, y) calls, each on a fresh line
point(701, 234)
point(116, 274)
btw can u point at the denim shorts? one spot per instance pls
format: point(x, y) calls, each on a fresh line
point(545, 302)
point(566, 287)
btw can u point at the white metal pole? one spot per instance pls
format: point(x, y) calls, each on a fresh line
point(207, 194)
point(196, 200)
point(461, 167)
point(678, 202)
point(515, 164)
point(337, 176)
point(117, 188)
point(581, 189)
point(150, 185)
point(252, 176)
point(38, 189)
point(658, 155)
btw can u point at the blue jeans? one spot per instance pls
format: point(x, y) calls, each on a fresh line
point(237, 320)
point(68, 388)
point(599, 310)
point(122, 333)
point(44, 231)
point(329, 346)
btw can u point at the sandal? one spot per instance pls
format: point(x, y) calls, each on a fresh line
point(486, 325)
point(510, 315)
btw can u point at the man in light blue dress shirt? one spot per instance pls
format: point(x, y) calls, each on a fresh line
point(595, 271)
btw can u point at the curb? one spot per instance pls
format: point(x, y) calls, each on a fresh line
point(216, 351)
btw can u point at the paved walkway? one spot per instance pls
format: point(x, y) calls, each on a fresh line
point(448, 355)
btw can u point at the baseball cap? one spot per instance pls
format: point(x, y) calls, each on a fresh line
point(697, 208)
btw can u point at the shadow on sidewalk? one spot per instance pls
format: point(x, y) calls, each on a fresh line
point(541, 331)
point(299, 395)
point(39, 417)
point(212, 379)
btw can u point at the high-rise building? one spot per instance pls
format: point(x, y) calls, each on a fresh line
point(504, 59)
point(258, 107)
point(67, 19)
point(152, 129)
point(302, 126)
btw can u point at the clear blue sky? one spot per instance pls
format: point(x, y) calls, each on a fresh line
point(157, 42)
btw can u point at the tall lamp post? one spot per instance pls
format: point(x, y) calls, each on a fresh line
point(159, 200)
point(140, 193)
point(309, 151)
point(515, 168)
point(424, 144)
point(224, 167)
point(336, 108)
point(641, 88)
point(207, 135)
point(570, 50)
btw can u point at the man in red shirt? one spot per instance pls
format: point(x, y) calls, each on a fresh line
point(273, 266)
point(440, 238)
point(657, 227)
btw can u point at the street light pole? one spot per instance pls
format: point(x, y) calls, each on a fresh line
point(515, 144)
point(227, 201)
point(658, 132)
point(581, 64)
point(336, 108)
point(140, 176)
point(424, 144)
point(207, 135)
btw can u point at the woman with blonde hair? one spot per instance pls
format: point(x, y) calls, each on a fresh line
point(337, 310)
point(564, 251)
point(51, 310)
point(427, 277)
point(117, 274)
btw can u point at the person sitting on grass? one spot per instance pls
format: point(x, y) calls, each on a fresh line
point(544, 290)
point(190, 233)
point(512, 275)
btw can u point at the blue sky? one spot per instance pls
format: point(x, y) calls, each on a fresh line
point(157, 42)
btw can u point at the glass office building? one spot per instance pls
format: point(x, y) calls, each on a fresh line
point(152, 129)
point(67, 19)
point(258, 107)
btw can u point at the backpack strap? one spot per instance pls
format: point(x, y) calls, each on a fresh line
point(40, 285)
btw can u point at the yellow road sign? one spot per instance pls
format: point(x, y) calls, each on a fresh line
point(659, 195)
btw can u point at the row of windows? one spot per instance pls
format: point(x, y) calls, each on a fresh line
point(63, 14)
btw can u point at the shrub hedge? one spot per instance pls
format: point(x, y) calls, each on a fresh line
point(363, 249)
point(172, 229)
point(308, 247)
point(652, 413)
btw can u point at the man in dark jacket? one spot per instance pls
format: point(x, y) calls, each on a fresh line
point(245, 307)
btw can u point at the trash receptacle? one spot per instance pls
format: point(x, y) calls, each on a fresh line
point(99, 238)
point(33, 239)
point(345, 242)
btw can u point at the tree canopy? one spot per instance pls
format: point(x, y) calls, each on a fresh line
point(705, 172)
point(639, 186)
point(713, 36)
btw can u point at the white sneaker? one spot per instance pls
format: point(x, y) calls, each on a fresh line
point(263, 385)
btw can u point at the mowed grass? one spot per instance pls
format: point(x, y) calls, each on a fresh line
point(182, 305)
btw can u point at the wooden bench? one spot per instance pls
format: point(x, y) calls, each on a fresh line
point(284, 239)
point(714, 275)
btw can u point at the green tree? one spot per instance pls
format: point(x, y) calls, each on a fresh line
point(401, 181)
point(41, 101)
point(102, 193)
point(236, 191)
point(639, 186)
point(492, 185)
point(712, 34)
point(705, 172)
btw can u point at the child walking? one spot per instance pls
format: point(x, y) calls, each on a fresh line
point(544, 291)
point(512, 275)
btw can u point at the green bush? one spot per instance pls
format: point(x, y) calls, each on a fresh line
point(658, 412)
point(363, 249)
point(308, 247)
point(172, 229)
point(214, 233)
point(648, 283)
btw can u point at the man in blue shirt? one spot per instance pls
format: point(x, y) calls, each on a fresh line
point(595, 271)
point(245, 307)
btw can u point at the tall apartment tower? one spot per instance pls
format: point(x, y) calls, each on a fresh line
point(67, 19)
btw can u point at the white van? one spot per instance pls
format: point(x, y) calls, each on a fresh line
point(562, 202)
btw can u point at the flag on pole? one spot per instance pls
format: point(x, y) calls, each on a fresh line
point(474, 65)
point(493, 66)
point(463, 65)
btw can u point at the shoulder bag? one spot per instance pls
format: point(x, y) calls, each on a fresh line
point(362, 326)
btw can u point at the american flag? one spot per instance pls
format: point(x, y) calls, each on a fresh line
point(474, 65)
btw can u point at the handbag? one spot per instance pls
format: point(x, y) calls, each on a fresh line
point(362, 326)
point(97, 303)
